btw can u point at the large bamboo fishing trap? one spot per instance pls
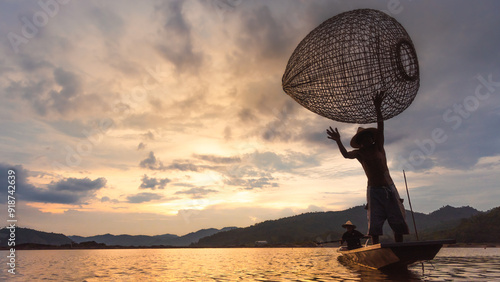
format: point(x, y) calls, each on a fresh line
point(340, 66)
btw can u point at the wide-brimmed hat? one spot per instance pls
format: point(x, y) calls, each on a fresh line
point(354, 141)
point(348, 223)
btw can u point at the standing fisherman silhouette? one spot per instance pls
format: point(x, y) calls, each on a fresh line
point(383, 201)
point(339, 71)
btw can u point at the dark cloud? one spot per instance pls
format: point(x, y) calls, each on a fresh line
point(264, 35)
point(20, 179)
point(247, 115)
point(107, 199)
point(153, 183)
point(30, 64)
point(66, 191)
point(255, 170)
point(143, 197)
point(141, 146)
point(71, 86)
point(277, 131)
point(317, 137)
point(218, 159)
point(61, 94)
point(196, 192)
point(262, 182)
point(77, 185)
point(32, 91)
point(151, 162)
point(250, 183)
point(248, 177)
point(183, 166)
point(176, 45)
point(252, 170)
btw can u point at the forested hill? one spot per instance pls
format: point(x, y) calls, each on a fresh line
point(26, 235)
point(325, 226)
point(481, 228)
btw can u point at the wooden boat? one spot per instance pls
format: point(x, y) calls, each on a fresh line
point(387, 256)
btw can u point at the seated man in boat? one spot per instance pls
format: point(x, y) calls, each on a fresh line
point(382, 196)
point(351, 236)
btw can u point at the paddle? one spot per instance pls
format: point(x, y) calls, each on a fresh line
point(326, 242)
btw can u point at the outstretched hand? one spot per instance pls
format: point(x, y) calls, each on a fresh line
point(377, 100)
point(333, 134)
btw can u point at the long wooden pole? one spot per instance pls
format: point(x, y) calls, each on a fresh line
point(409, 201)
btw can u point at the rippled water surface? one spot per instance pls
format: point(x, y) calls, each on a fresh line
point(247, 264)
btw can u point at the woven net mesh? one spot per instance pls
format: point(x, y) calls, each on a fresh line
point(340, 66)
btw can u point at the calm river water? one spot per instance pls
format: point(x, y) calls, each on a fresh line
point(249, 264)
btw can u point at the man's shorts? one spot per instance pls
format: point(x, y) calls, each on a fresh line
point(384, 203)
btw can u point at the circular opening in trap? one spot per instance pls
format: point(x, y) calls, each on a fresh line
point(406, 58)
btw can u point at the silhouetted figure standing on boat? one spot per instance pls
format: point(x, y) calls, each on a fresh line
point(382, 196)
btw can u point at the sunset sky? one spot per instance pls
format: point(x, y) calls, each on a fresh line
point(154, 117)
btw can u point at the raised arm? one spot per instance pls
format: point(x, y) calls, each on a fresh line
point(335, 136)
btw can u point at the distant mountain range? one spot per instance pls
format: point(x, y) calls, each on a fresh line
point(30, 236)
point(461, 223)
point(143, 240)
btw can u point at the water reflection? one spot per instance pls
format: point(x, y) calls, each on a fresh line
point(475, 268)
point(257, 264)
point(367, 274)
